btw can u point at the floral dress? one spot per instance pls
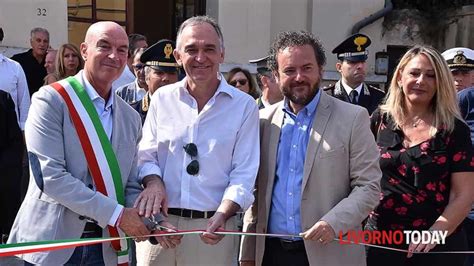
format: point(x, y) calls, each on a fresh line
point(416, 181)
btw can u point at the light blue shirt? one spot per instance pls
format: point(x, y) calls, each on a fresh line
point(105, 112)
point(286, 197)
point(104, 109)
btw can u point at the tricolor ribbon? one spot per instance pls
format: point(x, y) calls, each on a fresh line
point(30, 247)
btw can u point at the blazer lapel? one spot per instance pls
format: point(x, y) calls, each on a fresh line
point(323, 112)
point(275, 129)
point(116, 115)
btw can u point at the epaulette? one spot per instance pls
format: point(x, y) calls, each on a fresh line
point(376, 88)
point(329, 87)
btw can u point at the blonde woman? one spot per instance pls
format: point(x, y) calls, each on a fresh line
point(426, 161)
point(68, 63)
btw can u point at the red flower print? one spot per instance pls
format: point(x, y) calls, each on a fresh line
point(401, 210)
point(439, 197)
point(419, 198)
point(388, 204)
point(424, 146)
point(393, 181)
point(441, 186)
point(402, 169)
point(422, 193)
point(407, 198)
point(459, 156)
point(386, 155)
point(431, 186)
point(419, 222)
point(440, 159)
point(415, 169)
point(472, 162)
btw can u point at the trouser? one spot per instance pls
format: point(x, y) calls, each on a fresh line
point(281, 252)
point(191, 251)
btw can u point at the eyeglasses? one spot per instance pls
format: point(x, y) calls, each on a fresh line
point(138, 66)
point(242, 82)
point(193, 166)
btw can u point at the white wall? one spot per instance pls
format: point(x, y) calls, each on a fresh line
point(18, 17)
point(249, 26)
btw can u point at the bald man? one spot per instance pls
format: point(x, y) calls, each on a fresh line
point(81, 183)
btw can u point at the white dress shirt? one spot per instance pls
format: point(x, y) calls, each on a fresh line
point(105, 112)
point(13, 81)
point(226, 133)
point(126, 77)
point(348, 89)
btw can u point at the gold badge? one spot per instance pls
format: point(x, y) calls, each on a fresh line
point(168, 50)
point(359, 41)
point(459, 58)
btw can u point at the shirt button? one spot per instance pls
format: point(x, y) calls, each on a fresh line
point(290, 194)
point(294, 146)
point(291, 217)
point(291, 170)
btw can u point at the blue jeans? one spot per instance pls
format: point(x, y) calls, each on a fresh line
point(85, 255)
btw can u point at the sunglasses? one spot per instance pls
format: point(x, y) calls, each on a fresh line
point(193, 166)
point(242, 82)
point(138, 66)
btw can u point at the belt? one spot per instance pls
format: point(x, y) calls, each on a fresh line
point(288, 245)
point(191, 213)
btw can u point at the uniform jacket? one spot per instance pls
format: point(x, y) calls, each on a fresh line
point(341, 180)
point(58, 192)
point(370, 96)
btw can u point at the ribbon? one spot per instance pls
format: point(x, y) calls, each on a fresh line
point(30, 247)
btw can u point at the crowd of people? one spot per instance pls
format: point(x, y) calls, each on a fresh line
point(122, 138)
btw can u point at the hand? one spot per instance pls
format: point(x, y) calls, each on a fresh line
point(216, 222)
point(321, 231)
point(152, 197)
point(247, 263)
point(131, 223)
point(419, 248)
point(168, 241)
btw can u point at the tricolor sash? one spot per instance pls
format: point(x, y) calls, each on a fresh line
point(101, 161)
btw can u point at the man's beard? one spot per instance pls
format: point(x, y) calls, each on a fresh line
point(302, 100)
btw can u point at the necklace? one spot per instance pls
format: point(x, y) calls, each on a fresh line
point(416, 121)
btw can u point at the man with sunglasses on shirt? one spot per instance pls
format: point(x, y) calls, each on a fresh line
point(201, 137)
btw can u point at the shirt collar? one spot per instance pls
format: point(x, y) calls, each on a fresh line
point(309, 109)
point(94, 95)
point(349, 88)
point(138, 86)
point(223, 87)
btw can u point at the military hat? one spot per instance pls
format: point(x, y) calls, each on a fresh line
point(353, 48)
point(261, 63)
point(160, 56)
point(459, 58)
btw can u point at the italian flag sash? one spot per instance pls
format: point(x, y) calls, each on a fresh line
point(102, 163)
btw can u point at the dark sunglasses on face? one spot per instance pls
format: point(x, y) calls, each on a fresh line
point(138, 66)
point(242, 82)
point(193, 166)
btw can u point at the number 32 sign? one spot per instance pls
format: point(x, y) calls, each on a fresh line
point(41, 12)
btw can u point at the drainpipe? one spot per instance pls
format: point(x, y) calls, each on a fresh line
point(373, 17)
